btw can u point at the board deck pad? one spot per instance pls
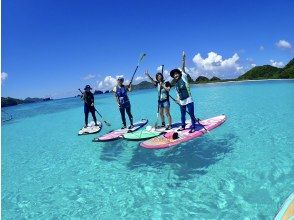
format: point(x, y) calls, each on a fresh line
point(184, 136)
point(117, 134)
point(91, 129)
point(150, 132)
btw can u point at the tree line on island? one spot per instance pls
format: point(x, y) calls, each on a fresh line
point(8, 101)
point(256, 73)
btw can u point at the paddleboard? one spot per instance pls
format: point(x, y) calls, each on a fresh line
point(116, 134)
point(165, 140)
point(91, 129)
point(150, 132)
point(287, 210)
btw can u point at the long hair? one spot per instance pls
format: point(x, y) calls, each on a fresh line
point(159, 74)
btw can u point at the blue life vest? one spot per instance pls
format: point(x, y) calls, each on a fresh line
point(182, 89)
point(121, 93)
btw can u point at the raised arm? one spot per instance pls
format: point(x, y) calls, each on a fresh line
point(151, 79)
point(183, 62)
point(129, 87)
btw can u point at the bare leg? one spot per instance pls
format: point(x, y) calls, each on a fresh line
point(167, 113)
point(161, 116)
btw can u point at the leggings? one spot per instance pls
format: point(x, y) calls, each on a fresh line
point(127, 109)
point(190, 107)
point(88, 109)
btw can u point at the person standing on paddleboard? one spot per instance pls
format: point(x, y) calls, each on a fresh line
point(121, 95)
point(184, 96)
point(88, 98)
point(163, 97)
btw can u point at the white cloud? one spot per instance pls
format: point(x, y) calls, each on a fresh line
point(261, 48)
point(253, 64)
point(3, 76)
point(109, 82)
point(277, 64)
point(283, 44)
point(215, 65)
point(89, 76)
point(140, 79)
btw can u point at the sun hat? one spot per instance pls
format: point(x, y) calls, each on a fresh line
point(87, 87)
point(120, 78)
point(174, 71)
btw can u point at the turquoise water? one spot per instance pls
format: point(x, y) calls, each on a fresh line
point(242, 169)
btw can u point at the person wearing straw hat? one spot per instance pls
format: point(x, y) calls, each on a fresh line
point(184, 96)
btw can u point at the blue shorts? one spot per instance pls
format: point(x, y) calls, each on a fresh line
point(164, 104)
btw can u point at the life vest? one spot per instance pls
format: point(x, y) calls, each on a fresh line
point(88, 98)
point(121, 94)
point(163, 95)
point(182, 89)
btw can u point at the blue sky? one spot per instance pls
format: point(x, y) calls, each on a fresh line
point(51, 48)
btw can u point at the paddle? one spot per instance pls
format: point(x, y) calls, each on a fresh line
point(107, 123)
point(197, 119)
point(141, 58)
point(159, 93)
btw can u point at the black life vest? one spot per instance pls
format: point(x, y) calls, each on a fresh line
point(88, 98)
point(182, 89)
point(163, 95)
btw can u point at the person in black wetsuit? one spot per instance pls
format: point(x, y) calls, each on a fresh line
point(88, 98)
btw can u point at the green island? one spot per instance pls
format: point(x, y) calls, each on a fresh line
point(256, 73)
point(8, 101)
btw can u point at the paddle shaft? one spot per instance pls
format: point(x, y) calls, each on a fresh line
point(136, 68)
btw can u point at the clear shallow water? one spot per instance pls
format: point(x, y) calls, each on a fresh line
point(242, 169)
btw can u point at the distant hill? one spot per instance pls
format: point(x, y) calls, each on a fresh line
point(288, 71)
point(269, 72)
point(8, 101)
point(97, 92)
point(143, 85)
point(201, 79)
point(261, 72)
point(214, 79)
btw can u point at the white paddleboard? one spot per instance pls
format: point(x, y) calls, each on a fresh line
point(91, 129)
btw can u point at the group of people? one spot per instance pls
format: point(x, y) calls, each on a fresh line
point(184, 98)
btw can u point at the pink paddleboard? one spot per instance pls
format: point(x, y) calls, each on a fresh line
point(163, 141)
point(114, 135)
